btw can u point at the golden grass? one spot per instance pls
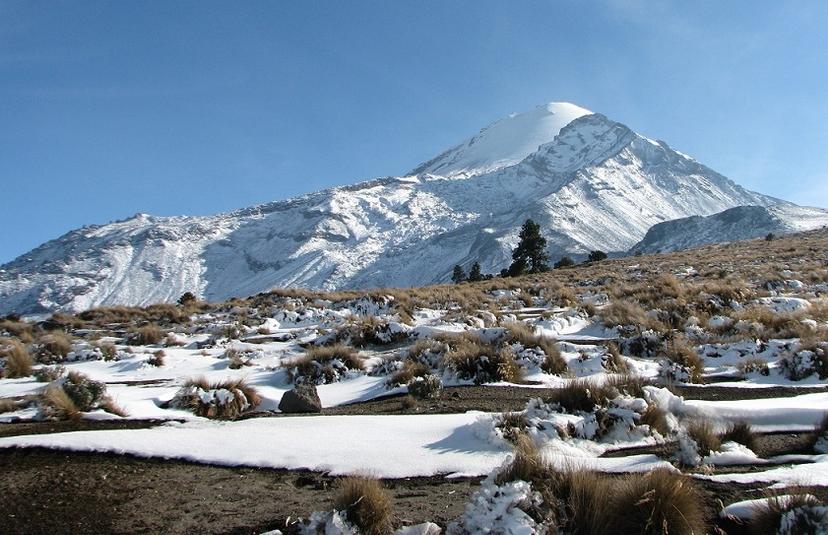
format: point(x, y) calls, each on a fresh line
point(655, 503)
point(7, 405)
point(54, 347)
point(58, 405)
point(17, 360)
point(147, 335)
point(366, 504)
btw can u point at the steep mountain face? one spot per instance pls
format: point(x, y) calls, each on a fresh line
point(590, 182)
point(739, 223)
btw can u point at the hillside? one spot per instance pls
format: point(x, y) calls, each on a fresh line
point(593, 184)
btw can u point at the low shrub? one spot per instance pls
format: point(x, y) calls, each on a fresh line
point(224, 400)
point(472, 359)
point(47, 374)
point(107, 349)
point(17, 362)
point(366, 504)
point(424, 387)
point(84, 392)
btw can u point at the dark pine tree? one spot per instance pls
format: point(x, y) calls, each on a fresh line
point(564, 262)
point(530, 254)
point(475, 274)
point(458, 275)
point(596, 256)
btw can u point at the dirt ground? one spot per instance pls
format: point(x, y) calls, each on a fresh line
point(46, 491)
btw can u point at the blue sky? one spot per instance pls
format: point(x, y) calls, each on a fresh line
point(174, 107)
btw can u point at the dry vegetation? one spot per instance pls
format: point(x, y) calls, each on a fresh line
point(223, 400)
point(366, 504)
point(583, 502)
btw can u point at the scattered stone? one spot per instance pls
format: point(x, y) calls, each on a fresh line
point(303, 398)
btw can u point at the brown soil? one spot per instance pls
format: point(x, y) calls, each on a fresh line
point(47, 491)
point(56, 492)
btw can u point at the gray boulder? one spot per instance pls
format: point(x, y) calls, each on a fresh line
point(303, 398)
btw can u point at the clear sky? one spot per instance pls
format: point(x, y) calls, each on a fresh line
point(177, 107)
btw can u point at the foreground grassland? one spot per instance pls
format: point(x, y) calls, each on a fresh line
point(680, 393)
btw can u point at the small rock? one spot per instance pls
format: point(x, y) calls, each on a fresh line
point(303, 398)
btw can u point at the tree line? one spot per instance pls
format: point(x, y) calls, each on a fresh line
point(528, 257)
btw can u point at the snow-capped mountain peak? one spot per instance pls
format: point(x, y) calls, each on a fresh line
point(590, 182)
point(504, 142)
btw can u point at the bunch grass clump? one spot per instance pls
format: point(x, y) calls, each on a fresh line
point(657, 502)
point(146, 335)
point(482, 362)
point(325, 364)
point(703, 433)
point(795, 512)
point(223, 400)
point(742, 433)
point(53, 347)
point(17, 362)
point(366, 504)
point(518, 332)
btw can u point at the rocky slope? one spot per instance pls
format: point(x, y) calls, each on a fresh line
point(739, 223)
point(590, 182)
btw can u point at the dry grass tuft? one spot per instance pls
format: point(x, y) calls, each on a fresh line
point(481, 362)
point(147, 335)
point(17, 360)
point(366, 504)
point(583, 395)
point(658, 502)
point(767, 516)
point(742, 433)
point(324, 364)
point(58, 405)
point(53, 347)
point(409, 371)
point(703, 433)
point(157, 358)
point(527, 463)
point(656, 418)
point(7, 405)
point(681, 353)
point(613, 361)
point(223, 400)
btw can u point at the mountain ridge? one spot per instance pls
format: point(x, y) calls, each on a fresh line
point(595, 185)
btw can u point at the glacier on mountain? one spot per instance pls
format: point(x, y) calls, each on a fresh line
point(590, 182)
